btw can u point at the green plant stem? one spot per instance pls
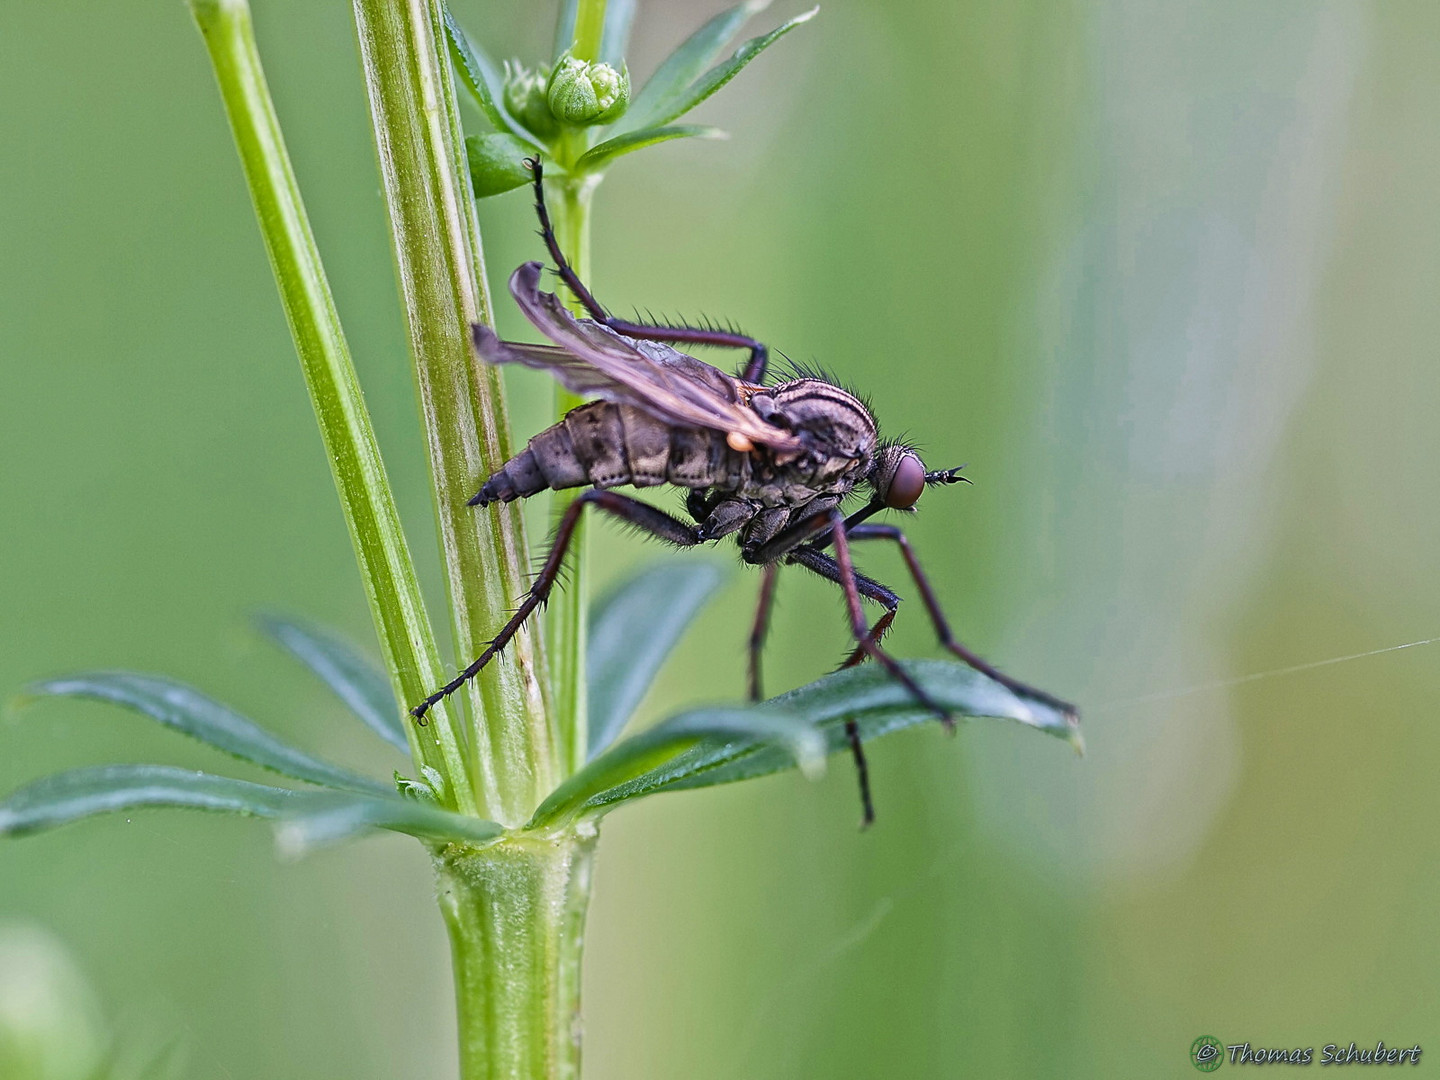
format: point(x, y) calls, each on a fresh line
point(438, 257)
point(515, 912)
point(385, 567)
point(567, 617)
point(589, 29)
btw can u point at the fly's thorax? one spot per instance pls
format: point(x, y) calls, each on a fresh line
point(832, 421)
point(839, 433)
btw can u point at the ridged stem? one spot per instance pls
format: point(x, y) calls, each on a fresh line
point(513, 743)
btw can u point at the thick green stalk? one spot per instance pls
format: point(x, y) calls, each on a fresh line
point(385, 567)
point(515, 912)
point(437, 246)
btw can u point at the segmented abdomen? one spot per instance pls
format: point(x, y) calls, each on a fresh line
point(605, 444)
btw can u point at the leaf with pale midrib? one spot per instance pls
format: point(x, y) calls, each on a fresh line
point(679, 101)
point(310, 818)
point(81, 793)
point(699, 729)
point(187, 710)
point(632, 631)
point(358, 683)
point(600, 156)
point(688, 62)
point(868, 694)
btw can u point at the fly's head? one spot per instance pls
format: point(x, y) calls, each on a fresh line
point(899, 477)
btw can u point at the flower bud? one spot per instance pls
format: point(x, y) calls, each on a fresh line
point(525, 98)
point(586, 93)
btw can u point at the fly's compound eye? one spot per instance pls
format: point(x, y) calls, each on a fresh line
point(907, 483)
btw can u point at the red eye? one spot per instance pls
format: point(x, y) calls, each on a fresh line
point(907, 483)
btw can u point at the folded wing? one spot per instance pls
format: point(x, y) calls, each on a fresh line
point(589, 358)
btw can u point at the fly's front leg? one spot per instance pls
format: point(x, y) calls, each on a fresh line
point(761, 626)
point(868, 645)
point(852, 730)
point(862, 772)
point(644, 517)
point(942, 625)
point(688, 335)
point(842, 571)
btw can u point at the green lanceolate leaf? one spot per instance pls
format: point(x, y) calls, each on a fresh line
point(880, 705)
point(687, 63)
point(612, 776)
point(681, 101)
point(877, 703)
point(187, 710)
point(619, 14)
point(330, 819)
point(361, 685)
point(565, 28)
point(483, 79)
point(598, 157)
point(632, 631)
point(310, 818)
point(81, 793)
point(497, 163)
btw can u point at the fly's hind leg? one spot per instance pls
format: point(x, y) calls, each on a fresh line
point(633, 512)
point(689, 335)
point(862, 772)
point(942, 625)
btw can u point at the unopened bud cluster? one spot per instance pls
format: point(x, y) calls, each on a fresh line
point(576, 92)
point(577, 111)
point(581, 92)
point(525, 99)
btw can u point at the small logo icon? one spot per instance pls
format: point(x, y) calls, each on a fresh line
point(1205, 1053)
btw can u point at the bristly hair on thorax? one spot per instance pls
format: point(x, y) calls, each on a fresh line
point(812, 369)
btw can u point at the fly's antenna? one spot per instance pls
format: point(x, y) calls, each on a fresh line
point(946, 476)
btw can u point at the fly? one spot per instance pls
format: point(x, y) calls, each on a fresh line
point(770, 464)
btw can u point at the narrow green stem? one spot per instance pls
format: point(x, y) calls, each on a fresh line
point(568, 614)
point(515, 912)
point(385, 567)
point(589, 29)
point(514, 760)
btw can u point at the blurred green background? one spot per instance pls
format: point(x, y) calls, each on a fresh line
point(1163, 273)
